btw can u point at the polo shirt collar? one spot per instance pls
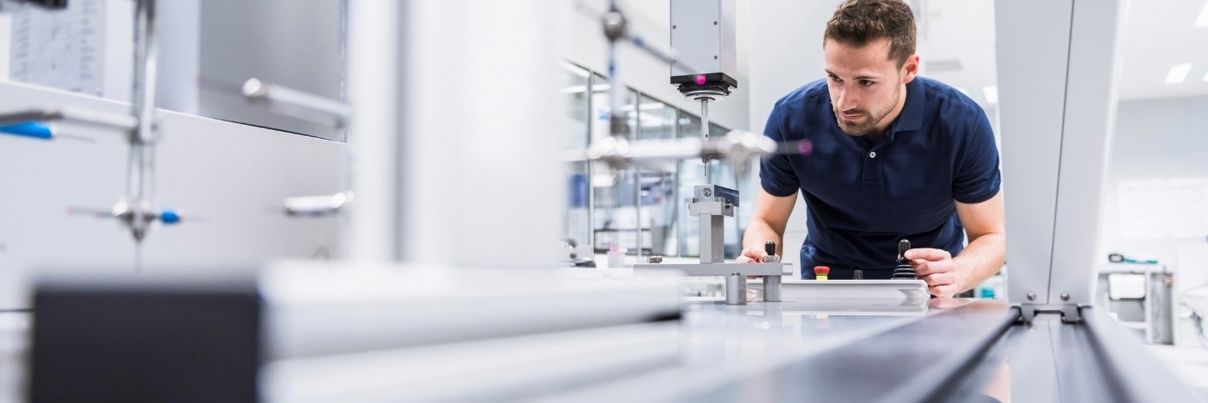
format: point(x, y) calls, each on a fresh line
point(911, 118)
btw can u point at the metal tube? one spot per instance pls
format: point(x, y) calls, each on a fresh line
point(637, 213)
point(587, 165)
point(146, 56)
point(255, 89)
point(736, 289)
point(616, 120)
point(737, 216)
point(704, 134)
point(637, 186)
point(771, 288)
point(711, 233)
point(703, 237)
point(141, 165)
point(124, 122)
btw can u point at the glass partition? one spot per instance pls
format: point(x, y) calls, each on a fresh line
point(577, 228)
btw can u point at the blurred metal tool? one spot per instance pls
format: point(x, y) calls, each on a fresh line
point(124, 213)
point(116, 121)
point(316, 206)
point(282, 98)
point(619, 153)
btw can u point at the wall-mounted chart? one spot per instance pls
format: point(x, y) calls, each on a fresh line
point(62, 49)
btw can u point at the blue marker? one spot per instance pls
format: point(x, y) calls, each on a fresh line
point(28, 129)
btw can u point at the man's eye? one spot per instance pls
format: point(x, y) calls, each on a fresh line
point(866, 83)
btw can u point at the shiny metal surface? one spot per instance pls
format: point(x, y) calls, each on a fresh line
point(704, 133)
point(1096, 360)
point(720, 269)
point(771, 288)
point(736, 286)
point(953, 350)
point(861, 293)
point(310, 308)
point(718, 345)
point(491, 370)
point(316, 206)
point(768, 352)
point(735, 276)
point(1057, 71)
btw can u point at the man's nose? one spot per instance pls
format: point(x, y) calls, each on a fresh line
point(845, 101)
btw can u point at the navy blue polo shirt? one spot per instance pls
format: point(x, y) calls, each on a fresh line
point(863, 195)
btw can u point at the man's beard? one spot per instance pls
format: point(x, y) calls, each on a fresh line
point(865, 126)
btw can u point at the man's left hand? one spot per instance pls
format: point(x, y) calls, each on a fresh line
point(936, 267)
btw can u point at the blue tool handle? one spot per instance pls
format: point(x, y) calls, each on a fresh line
point(169, 217)
point(28, 129)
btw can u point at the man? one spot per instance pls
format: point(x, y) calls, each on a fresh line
point(895, 156)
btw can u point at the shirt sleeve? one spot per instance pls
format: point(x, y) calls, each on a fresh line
point(776, 172)
point(978, 177)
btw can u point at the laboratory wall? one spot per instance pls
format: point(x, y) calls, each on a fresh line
point(227, 180)
point(1155, 197)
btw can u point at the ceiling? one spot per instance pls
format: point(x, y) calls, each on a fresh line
point(956, 43)
point(1156, 36)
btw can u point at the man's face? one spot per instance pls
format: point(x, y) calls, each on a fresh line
point(865, 85)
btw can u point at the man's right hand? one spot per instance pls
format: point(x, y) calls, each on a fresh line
point(751, 255)
point(767, 224)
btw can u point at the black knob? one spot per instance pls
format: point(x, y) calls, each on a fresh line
point(903, 246)
point(769, 248)
point(904, 271)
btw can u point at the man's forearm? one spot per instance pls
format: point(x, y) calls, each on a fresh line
point(758, 232)
point(981, 259)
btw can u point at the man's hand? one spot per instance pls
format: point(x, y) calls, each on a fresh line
point(936, 267)
point(752, 255)
point(767, 224)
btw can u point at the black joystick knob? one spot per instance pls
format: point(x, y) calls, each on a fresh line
point(769, 250)
point(904, 271)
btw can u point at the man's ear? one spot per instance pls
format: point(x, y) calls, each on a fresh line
point(910, 69)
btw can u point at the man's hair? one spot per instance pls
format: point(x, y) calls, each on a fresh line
point(858, 22)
